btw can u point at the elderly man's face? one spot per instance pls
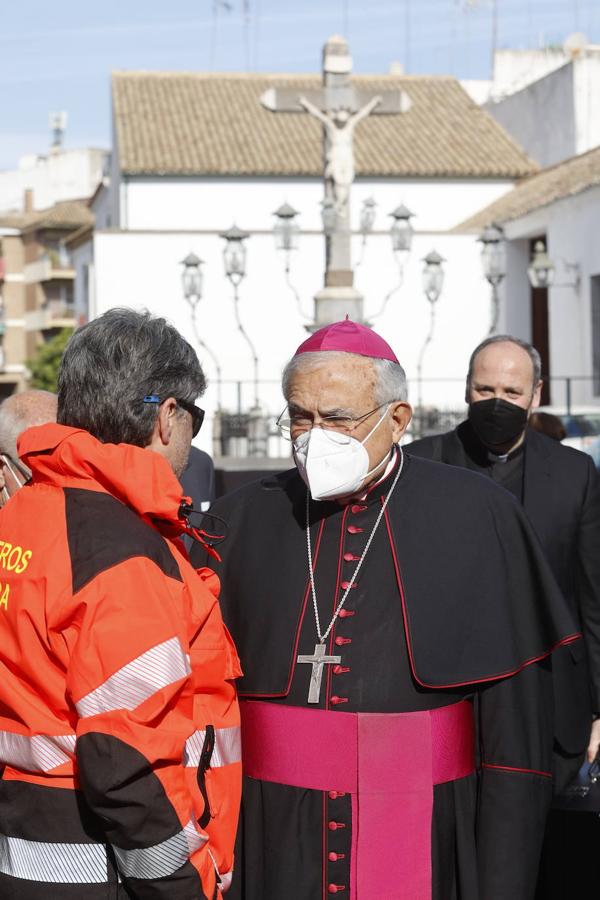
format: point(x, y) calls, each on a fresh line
point(504, 371)
point(344, 385)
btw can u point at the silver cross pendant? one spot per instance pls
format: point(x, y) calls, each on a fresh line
point(317, 660)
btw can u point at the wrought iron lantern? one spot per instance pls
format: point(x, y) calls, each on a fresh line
point(433, 276)
point(234, 254)
point(401, 232)
point(286, 228)
point(493, 254)
point(192, 278)
point(328, 215)
point(367, 216)
point(541, 269)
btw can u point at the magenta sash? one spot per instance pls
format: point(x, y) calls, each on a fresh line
point(389, 763)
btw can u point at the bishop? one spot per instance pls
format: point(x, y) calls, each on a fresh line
point(432, 606)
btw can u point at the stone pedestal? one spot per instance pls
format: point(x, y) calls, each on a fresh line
point(332, 304)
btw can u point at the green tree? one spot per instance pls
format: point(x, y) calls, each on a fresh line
point(45, 363)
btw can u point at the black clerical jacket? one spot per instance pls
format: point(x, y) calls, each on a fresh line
point(561, 496)
point(471, 602)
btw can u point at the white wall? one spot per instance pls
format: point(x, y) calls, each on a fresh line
point(557, 116)
point(214, 204)
point(515, 69)
point(541, 117)
point(163, 219)
point(82, 260)
point(62, 175)
point(143, 270)
point(587, 102)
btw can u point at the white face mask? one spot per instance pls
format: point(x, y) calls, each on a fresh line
point(333, 464)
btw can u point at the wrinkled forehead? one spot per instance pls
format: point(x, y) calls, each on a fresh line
point(332, 378)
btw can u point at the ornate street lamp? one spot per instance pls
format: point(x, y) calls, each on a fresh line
point(328, 215)
point(401, 233)
point(541, 270)
point(234, 257)
point(365, 226)
point(286, 228)
point(234, 254)
point(433, 276)
point(493, 257)
point(192, 280)
point(286, 231)
point(367, 216)
point(433, 282)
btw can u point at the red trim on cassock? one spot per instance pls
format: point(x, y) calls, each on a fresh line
point(516, 769)
point(528, 662)
point(336, 598)
point(285, 692)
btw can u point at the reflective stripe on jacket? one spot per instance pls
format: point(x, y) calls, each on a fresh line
point(119, 724)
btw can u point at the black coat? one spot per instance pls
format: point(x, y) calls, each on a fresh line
point(561, 496)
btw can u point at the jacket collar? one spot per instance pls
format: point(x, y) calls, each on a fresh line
point(139, 478)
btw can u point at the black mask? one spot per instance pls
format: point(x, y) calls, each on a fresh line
point(497, 422)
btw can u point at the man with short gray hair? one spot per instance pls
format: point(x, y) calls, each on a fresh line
point(369, 596)
point(119, 740)
point(18, 412)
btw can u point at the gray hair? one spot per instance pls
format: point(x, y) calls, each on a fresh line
point(112, 363)
point(390, 381)
point(534, 356)
point(21, 411)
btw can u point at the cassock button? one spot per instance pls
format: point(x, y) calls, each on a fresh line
point(333, 857)
point(351, 557)
point(340, 670)
point(335, 700)
point(340, 641)
point(347, 584)
point(346, 613)
point(334, 888)
point(354, 529)
point(358, 508)
point(333, 826)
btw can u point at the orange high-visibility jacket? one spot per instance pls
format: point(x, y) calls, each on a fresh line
point(119, 723)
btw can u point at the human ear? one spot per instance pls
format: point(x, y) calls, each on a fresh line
point(164, 422)
point(401, 414)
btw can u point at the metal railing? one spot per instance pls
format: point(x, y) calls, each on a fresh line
point(242, 429)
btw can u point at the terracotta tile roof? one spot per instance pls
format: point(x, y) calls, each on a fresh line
point(554, 183)
point(68, 214)
point(213, 124)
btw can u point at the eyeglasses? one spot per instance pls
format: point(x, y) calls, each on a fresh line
point(339, 424)
point(196, 412)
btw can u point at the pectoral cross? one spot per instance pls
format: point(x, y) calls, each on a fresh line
point(317, 660)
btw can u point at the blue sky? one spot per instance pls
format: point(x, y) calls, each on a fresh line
point(58, 56)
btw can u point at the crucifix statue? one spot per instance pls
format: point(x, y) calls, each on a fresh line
point(339, 106)
point(339, 127)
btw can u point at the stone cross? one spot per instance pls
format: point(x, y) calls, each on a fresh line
point(339, 107)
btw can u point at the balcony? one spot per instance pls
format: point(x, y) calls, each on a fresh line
point(54, 314)
point(49, 267)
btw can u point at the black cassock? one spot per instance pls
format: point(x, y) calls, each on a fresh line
point(454, 597)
